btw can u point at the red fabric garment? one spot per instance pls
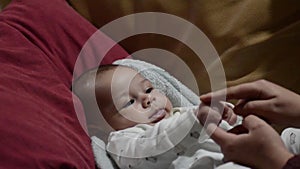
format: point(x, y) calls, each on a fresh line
point(39, 44)
point(293, 163)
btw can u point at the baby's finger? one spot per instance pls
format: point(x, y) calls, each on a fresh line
point(229, 116)
point(207, 115)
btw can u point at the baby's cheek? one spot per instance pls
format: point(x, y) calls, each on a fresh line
point(126, 123)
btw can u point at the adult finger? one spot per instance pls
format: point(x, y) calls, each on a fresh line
point(253, 122)
point(220, 136)
point(206, 98)
point(247, 91)
point(261, 108)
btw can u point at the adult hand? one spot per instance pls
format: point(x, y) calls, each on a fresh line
point(207, 114)
point(264, 99)
point(260, 148)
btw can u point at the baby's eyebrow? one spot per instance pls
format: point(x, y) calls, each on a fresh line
point(144, 81)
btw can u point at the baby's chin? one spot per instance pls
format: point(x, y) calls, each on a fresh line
point(167, 115)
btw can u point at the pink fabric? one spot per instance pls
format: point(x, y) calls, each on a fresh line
point(39, 44)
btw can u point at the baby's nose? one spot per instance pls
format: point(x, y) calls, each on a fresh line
point(146, 101)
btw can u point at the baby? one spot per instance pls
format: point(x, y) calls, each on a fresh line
point(150, 133)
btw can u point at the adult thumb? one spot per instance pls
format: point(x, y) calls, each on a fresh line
point(219, 135)
point(253, 122)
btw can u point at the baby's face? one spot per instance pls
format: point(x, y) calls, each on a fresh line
point(127, 99)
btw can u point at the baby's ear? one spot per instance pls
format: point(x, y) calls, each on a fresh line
point(78, 85)
point(93, 129)
point(84, 84)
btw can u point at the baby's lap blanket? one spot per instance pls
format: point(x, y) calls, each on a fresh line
point(39, 44)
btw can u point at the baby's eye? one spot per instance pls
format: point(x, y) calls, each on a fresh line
point(149, 90)
point(131, 101)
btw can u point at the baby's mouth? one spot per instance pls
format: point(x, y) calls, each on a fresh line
point(157, 116)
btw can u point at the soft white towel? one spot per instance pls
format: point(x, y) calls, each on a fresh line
point(103, 161)
point(178, 93)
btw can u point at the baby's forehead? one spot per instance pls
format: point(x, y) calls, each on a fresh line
point(124, 71)
point(119, 74)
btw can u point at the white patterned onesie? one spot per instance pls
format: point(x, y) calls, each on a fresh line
point(173, 143)
point(291, 139)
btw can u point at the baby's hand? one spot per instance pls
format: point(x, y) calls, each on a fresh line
point(207, 114)
point(228, 114)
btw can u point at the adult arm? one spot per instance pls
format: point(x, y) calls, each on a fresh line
point(264, 99)
point(261, 147)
